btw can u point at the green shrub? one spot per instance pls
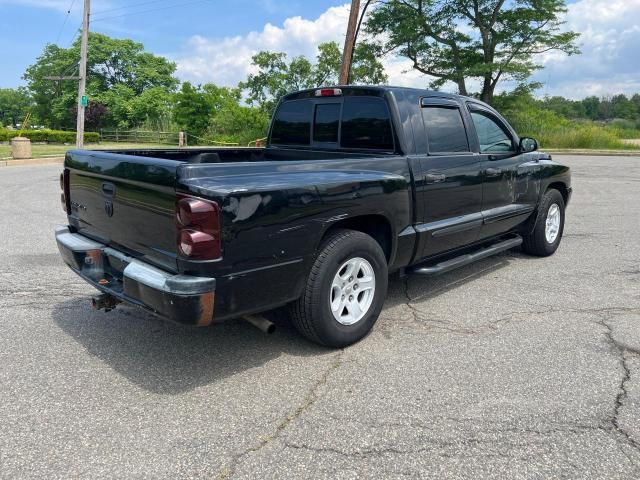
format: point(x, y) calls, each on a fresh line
point(623, 128)
point(49, 136)
point(581, 137)
point(553, 131)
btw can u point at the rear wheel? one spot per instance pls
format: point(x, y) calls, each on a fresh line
point(547, 232)
point(345, 290)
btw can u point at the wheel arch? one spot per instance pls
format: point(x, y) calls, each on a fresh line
point(562, 188)
point(377, 226)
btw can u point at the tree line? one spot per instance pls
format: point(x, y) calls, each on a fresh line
point(129, 88)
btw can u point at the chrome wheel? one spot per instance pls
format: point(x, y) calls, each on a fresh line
point(352, 291)
point(552, 227)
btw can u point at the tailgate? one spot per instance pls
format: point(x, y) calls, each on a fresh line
point(125, 201)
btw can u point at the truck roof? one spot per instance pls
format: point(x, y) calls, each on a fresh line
point(377, 90)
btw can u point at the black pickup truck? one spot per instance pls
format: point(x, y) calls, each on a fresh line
point(354, 183)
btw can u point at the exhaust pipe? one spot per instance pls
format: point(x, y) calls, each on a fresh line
point(262, 323)
point(104, 301)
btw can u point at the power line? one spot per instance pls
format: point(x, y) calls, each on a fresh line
point(126, 7)
point(182, 4)
point(66, 17)
point(75, 34)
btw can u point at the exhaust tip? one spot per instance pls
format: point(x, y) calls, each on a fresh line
point(267, 326)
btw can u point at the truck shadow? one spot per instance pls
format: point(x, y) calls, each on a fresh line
point(168, 358)
point(425, 287)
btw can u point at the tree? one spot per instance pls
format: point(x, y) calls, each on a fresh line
point(238, 123)
point(14, 105)
point(277, 77)
point(564, 107)
point(591, 107)
point(622, 107)
point(113, 65)
point(196, 106)
point(461, 40)
point(95, 115)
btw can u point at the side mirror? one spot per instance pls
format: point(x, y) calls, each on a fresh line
point(528, 144)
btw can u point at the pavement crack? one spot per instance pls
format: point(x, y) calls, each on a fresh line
point(308, 401)
point(419, 316)
point(622, 352)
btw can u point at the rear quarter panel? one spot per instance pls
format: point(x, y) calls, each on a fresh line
point(275, 214)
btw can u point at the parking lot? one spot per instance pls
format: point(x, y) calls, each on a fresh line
point(514, 367)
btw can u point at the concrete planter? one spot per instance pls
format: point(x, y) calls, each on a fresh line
point(20, 148)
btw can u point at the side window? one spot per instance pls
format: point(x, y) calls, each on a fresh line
point(492, 135)
point(366, 124)
point(292, 123)
point(445, 129)
point(325, 123)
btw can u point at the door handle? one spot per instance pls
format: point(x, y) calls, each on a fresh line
point(435, 177)
point(493, 172)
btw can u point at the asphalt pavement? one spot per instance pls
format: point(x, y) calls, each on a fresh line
point(514, 367)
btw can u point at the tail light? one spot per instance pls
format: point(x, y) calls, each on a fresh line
point(198, 223)
point(65, 198)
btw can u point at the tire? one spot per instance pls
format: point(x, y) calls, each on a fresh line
point(349, 271)
point(543, 242)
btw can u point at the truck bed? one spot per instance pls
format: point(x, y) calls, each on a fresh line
point(237, 155)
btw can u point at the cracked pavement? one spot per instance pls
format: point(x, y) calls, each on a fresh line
point(514, 367)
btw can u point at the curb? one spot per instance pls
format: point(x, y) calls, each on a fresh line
point(32, 161)
point(596, 153)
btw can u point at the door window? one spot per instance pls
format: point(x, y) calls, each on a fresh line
point(445, 129)
point(492, 135)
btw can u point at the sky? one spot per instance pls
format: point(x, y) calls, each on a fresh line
point(213, 40)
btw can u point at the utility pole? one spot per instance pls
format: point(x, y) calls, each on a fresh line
point(82, 84)
point(349, 43)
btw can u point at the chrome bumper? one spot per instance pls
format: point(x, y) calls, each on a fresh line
point(181, 298)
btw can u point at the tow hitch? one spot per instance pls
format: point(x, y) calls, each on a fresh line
point(104, 301)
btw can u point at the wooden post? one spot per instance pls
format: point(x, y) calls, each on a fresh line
point(349, 43)
point(84, 41)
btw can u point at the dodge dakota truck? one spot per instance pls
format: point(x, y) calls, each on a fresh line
point(354, 183)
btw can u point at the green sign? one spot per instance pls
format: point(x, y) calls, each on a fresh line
point(83, 101)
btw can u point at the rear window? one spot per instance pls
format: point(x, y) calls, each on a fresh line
point(366, 124)
point(292, 124)
point(445, 129)
point(326, 122)
point(350, 122)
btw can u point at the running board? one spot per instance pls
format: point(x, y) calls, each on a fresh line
point(463, 260)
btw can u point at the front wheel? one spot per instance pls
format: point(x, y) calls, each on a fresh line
point(547, 232)
point(345, 290)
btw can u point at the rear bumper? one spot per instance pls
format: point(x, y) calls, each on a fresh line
point(181, 298)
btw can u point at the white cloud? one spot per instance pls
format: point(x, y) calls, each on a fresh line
point(610, 45)
point(227, 61)
point(610, 42)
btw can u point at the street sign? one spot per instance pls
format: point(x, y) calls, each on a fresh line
point(83, 101)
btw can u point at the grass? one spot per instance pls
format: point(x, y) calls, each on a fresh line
point(584, 137)
point(38, 150)
point(553, 131)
